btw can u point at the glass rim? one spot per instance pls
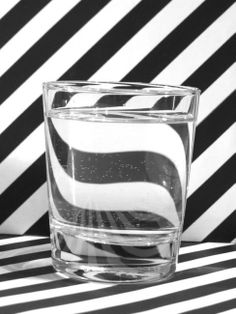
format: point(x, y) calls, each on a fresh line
point(121, 88)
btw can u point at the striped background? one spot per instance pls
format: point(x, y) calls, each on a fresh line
point(175, 42)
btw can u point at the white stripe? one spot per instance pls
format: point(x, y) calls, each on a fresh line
point(212, 217)
point(20, 239)
point(199, 50)
point(28, 281)
point(196, 303)
point(51, 293)
point(146, 39)
point(63, 59)
point(25, 250)
point(33, 208)
point(203, 261)
point(201, 247)
point(25, 265)
point(6, 6)
point(215, 94)
point(33, 31)
point(212, 159)
point(21, 158)
point(139, 295)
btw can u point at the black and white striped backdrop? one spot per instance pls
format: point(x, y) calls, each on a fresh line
point(160, 41)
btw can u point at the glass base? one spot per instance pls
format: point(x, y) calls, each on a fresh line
point(115, 274)
point(110, 257)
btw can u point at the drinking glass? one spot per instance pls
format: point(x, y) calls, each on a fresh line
point(118, 162)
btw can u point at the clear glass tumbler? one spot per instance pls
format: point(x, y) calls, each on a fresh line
point(118, 163)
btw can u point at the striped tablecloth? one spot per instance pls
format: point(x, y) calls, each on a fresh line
point(205, 282)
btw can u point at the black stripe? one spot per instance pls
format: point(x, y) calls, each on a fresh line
point(24, 258)
point(216, 308)
point(17, 17)
point(22, 127)
point(206, 253)
point(104, 49)
point(40, 227)
point(27, 273)
point(214, 67)
point(210, 191)
point(13, 246)
point(177, 41)
point(169, 299)
point(226, 230)
point(48, 45)
point(39, 287)
point(210, 129)
point(22, 188)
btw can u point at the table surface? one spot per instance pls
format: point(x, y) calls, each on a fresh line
point(205, 282)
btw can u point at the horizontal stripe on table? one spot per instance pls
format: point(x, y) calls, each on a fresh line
point(23, 244)
point(59, 34)
point(24, 251)
point(39, 269)
point(123, 295)
point(24, 258)
point(28, 264)
point(222, 307)
point(168, 299)
point(206, 253)
point(176, 42)
point(17, 17)
point(218, 184)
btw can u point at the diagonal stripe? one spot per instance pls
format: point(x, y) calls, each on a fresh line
point(38, 201)
point(114, 39)
point(200, 302)
point(206, 164)
point(226, 229)
point(10, 170)
point(19, 239)
point(21, 273)
point(208, 193)
point(24, 244)
point(212, 128)
point(140, 44)
point(216, 93)
point(26, 250)
point(209, 71)
point(53, 40)
point(6, 6)
point(39, 225)
point(33, 31)
point(17, 17)
point(63, 59)
point(125, 298)
point(222, 307)
point(211, 39)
